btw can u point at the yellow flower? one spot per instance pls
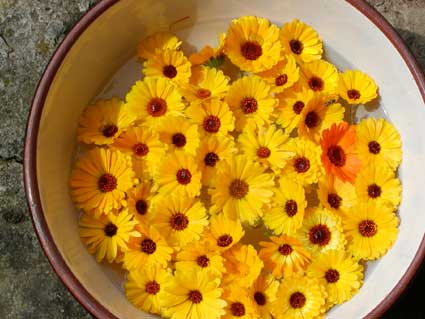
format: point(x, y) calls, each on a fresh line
point(168, 64)
point(107, 234)
point(209, 56)
point(320, 76)
point(224, 232)
point(241, 189)
point(321, 231)
point(378, 184)
point(357, 87)
point(149, 249)
point(339, 273)
point(335, 195)
point(242, 265)
point(287, 214)
point(251, 101)
point(144, 145)
point(371, 229)
point(302, 41)
point(102, 122)
point(266, 145)
point(145, 287)
point(193, 295)
point(157, 41)
point(299, 298)
point(378, 142)
point(252, 44)
point(179, 175)
point(211, 151)
point(100, 179)
point(179, 219)
point(140, 200)
point(179, 134)
point(153, 100)
point(213, 117)
point(263, 293)
point(304, 167)
point(283, 75)
point(284, 256)
point(239, 304)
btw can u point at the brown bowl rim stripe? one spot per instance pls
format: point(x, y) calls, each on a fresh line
point(30, 155)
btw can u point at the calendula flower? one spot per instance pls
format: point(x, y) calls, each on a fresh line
point(146, 250)
point(371, 229)
point(179, 219)
point(289, 203)
point(339, 273)
point(339, 154)
point(169, 64)
point(140, 200)
point(211, 57)
point(179, 134)
point(320, 76)
point(335, 195)
point(193, 295)
point(378, 184)
point(102, 122)
point(321, 231)
point(239, 304)
point(213, 117)
point(157, 41)
point(263, 293)
point(179, 175)
point(304, 167)
point(145, 287)
point(154, 100)
point(224, 232)
point(100, 179)
point(378, 143)
point(266, 145)
point(301, 41)
point(357, 87)
point(107, 234)
point(241, 189)
point(251, 101)
point(284, 256)
point(299, 298)
point(252, 44)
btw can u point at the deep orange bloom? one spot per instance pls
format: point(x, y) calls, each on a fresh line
point(339, 156)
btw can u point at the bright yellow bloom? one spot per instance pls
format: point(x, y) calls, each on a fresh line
point(157, 41)
point(241, 189)
point(284, 256)
point(100, 179)
point(102, 122)
point(140, 200)
point(320, 76)
point(357, 87)
point(302, 41)
point(371, 230)
point(287, 214)
point(239, 304)
point(335, 195)
point(209, 56)
point(263, 293)
point(224, 232)
point(378, 142)
point(105, 236)
point(252, 44)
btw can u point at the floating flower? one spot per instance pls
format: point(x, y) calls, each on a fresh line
point(224, 232)
point(357, 87)
point(211, 57)
point(263, 293)
point(335, 195)
point(157, 41)
point(320, 76)
point(239, 304)
point(140, 201)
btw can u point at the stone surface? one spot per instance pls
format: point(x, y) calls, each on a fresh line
point(29, 32)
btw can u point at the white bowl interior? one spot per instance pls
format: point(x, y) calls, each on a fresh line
point(105, 51)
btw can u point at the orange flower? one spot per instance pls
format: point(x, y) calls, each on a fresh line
point(339, 152)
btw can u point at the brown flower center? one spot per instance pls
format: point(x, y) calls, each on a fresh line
point(109, 130)
point(179, 221)
point(302, 164)
point(368, 228)
point(211, 159)
point(353, 94)
point(203, 93)
point(311, 119)
point(148, 246)
point(263, 152)
point(156, 107)
point(291, 208)
point(336, 155)
point(224, 240)
point(320, 235)
point(179, 140)
point(238, 189)
point(260, 298)
point(334, 200)
point(195, 296)
point(237, 309)
point(315, 83)
point(141, 206)
point(140, 149)
point(332, 276)
point(281, 80)
point(211, 124)
point(297, 46)
point(374, 147)
point(285, 249)
point(169, 71)
point(110, 230)
point(251, 50)
point(183, 176)
point(298, 107)
point(203, 261)
point(249, 105)
point(152, 287)
point(107, 183)
point(374, 191)
point(297, 300)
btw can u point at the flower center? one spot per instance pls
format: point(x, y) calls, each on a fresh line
point(249, 105)
point(203, 261)
point(195, 296)
point(297, 300)
point(238, 189)
point(211, 159)
point(281, 80)
point(109, 130)
point(296, 46)
point(332, 276)
point(374, 191)
point(169, 71)
point(298, 107)
point(291, 208)
point(334, 200)
point(316, 83)
point(141, 206)
point(237, 309)
point(336, 155)
point(285, 249)
point(302, 165)
point(368, 228)
point(353, 94)
point(110, 230)
point(178, 221)
point(152, 287)
point(203, 93)
point(374, 147)
point(263, 152)
point(320, 235)
point(251, 50)
point(179, 140)
point(156, 107)
point(311, 119)
point(260, 298)
point(183, 176)
point(140, 149)
point(107, 183)
point(224, 240)
point(148, 246)
point(212, 124)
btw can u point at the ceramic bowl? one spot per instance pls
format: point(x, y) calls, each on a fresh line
point(102, 46)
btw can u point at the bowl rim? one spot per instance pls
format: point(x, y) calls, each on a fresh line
point(30, 158)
